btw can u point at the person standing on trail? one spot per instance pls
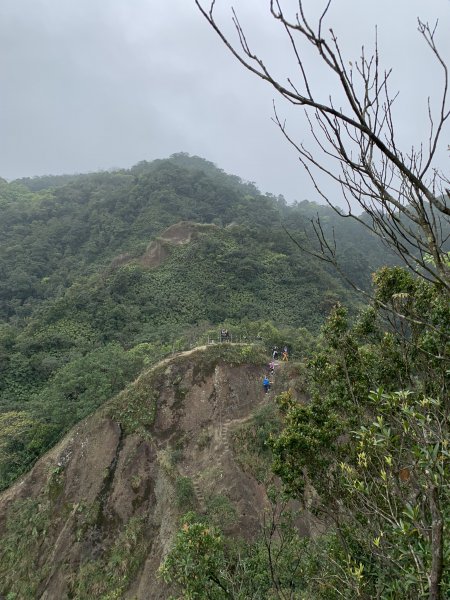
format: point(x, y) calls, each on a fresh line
point(285, 355)
point(275, 352)
point(266, 384)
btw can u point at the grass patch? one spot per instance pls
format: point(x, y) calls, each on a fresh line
point(135, 407)
point(21, 549)
point(221, 511)
point(55, 483)
point(185, 493)
point(177, 451)
point(109, 577)
point(204, 439)
point(233, 354)
point(249, 442)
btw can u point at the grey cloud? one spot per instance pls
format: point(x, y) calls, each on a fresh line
point(88, 84)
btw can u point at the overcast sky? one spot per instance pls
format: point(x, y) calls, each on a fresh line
point(97, 84)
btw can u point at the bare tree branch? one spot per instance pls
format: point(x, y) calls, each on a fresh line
point(401, 193)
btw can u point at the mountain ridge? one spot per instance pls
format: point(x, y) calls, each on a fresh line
point(81, 311)
point(117, 476)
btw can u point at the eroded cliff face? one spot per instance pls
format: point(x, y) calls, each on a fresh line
point(96, 515)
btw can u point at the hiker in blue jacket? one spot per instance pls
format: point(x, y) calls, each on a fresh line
point(266, 384)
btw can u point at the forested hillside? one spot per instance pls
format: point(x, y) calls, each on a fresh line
point(333, 485)
point(56, 229)
point(84, 305)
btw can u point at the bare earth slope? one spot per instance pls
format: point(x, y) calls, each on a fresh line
point(96, 514)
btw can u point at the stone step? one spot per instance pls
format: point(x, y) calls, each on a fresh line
point(199, 494)
point(224, 436)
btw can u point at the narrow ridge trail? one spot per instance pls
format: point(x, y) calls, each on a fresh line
point(222, 451)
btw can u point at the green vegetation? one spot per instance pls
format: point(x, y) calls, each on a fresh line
point(185, 493)
point(26, 528)
point(204, 561)
point(196, 560)
point(82, 312)
point(221, 511)
point(251, 442)
point(109, 577)
point(366, 450)
point(372, 445)
point(379, 459)
point(70, 230)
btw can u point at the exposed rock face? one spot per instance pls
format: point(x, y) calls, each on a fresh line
point(160, 248)
point(101, 508)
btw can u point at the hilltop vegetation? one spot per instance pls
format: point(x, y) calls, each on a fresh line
point(83, 309)
point(75, 226)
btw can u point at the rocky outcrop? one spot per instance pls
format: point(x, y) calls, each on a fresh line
point(161, 247)
point(98, 512)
